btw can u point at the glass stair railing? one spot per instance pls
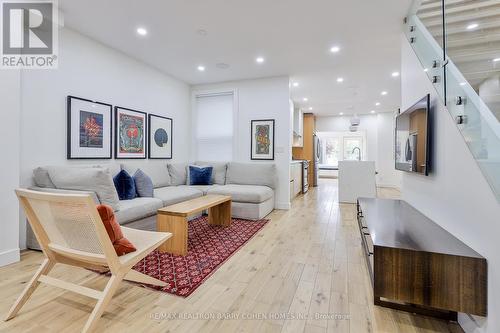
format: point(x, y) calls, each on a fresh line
point(458, 45)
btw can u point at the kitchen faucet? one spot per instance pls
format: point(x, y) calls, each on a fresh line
point(359, 152)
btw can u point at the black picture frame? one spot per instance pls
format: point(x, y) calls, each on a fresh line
point(117, 130)
point(252, 136)
point(72, 155)
point(170, 142)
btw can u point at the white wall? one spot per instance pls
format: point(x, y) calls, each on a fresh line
point(455, 195)
point(10, 107)
point(263, 99)
point(379, 129)
point(91, 70)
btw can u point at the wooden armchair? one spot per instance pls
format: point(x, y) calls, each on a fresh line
point(70, 231)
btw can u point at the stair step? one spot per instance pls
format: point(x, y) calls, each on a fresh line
point(464, 8)
point(486, 26)
point(431, 5)
point(463, 18)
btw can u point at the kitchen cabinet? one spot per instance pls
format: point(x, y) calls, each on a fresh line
point(295, 179)
point(298, 128)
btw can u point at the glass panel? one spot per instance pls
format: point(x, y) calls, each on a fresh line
point(353, 147)
point(473, 44)
point(332, 151)
point(428, 52)
point(480, 127)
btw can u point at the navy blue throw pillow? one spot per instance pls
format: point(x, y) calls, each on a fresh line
point(125, 185)
point(200, 175)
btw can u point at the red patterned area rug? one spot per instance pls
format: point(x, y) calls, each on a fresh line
point(208, 248)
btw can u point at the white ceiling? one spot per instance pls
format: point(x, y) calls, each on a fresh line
point(294, 37)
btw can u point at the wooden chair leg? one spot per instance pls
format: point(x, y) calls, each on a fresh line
point(107, 294)
point(135, 276)
point(45, 268)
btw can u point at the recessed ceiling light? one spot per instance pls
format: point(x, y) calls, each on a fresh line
point(496, 60)
point(372, 111)
point(341, 113)
point(377, 104)
point(202, 32)
point(426, 69)
point(310, 108)
point(395, 74)
point(305, 99)
point(295, 84)
point(201, 68)
point(142, 31)
point(463, 83)
point(222, 65)
point(340, 79)
point(260, 60)
point(472, 26)
point(334, 49)
point(383, 93)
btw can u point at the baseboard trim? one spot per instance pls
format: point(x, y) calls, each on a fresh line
point(9, 257)
point(283, 205)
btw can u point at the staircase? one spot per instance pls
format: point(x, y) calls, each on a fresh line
point(472, 42)
point(458, 45)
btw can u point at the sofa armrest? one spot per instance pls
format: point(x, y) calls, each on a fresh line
point(62, 191)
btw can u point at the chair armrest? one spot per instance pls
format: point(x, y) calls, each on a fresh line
point(62, 191)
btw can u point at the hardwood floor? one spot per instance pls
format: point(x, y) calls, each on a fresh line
point(305, 264)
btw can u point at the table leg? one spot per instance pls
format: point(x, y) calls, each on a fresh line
point(220, 214)
point(178, 226)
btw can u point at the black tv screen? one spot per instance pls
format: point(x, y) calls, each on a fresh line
point(413, 138)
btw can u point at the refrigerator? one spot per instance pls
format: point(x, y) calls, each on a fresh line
point(316, 158)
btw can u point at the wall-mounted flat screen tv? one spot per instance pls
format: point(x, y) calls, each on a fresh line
point(413, 138)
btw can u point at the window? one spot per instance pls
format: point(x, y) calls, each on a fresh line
point(353, 147)
point(332, 151)
point(213, 119)
point(339, 146)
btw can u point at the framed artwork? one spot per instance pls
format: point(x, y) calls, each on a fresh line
point(160, 137)
point(89, 133)
point(130, 130)
point(262, 140)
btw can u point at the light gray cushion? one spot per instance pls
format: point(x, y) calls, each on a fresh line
point(218, 172)
point(61, 191)
point(96, 180)
point(114, 168)
point(203, 188)
point(178, 173)
point(143, 184)
point(244, 193)
point(251, 174)
point(158, 172)
point(41, 178)
point(137, 208)
point(173, 194)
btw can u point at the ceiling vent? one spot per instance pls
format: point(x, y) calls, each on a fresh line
point(355, 121)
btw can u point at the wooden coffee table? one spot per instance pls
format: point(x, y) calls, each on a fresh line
point(174, 219)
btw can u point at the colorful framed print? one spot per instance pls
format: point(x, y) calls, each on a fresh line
point(130, 133)
point(89, 132)
point(160, 137)
point(262, 140)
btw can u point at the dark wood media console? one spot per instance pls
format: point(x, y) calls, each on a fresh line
point(416, 265)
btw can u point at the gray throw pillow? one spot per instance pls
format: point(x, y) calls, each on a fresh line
point(41, 178)
point(178, 174)
point(143, 184)
point(98, 180)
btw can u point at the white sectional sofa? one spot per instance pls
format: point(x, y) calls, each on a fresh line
point(251, 186)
